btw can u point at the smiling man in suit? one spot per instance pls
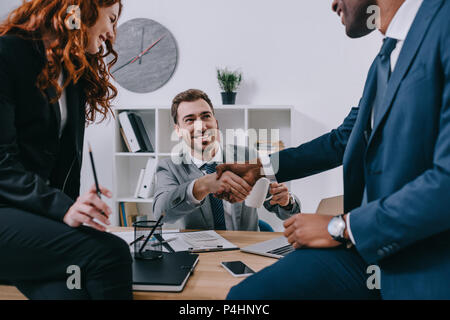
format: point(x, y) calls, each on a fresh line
point(395, 150)
point(187, 182)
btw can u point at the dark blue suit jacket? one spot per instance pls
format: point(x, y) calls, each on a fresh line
point(405, 164)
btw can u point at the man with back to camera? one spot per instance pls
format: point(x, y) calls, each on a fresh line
point(395, 152)
point(186, 183)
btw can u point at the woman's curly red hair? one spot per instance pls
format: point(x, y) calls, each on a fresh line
point(69, 48)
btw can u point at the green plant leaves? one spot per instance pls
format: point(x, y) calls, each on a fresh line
point(229, 81)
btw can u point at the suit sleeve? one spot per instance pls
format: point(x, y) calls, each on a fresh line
point(171, 196)
point(282, 213)
point(20, 188)
point(321, 154)
point(421, 208)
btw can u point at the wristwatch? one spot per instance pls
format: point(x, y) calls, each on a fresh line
point(336, 229)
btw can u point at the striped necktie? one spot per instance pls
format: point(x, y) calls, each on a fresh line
point(216, 204)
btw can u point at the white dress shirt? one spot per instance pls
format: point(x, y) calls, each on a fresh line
point(398, 29)
point(62, 106)
point(218, 158)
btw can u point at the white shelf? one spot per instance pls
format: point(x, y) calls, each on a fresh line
point(132, 199)
point(135, 154)
point(158, 122)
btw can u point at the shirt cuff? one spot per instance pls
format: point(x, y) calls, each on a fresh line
point(347, 222)
point(267, 169)
point(190, 194)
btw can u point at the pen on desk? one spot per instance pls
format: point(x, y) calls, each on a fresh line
point(138, 239)
point(95, 175)
point(151, 232)
point(212, 249)
point(164, 242)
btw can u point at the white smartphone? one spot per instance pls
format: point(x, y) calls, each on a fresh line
point(237, 268)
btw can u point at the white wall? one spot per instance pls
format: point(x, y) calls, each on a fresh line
point(292, 52)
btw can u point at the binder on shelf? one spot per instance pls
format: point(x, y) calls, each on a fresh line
point(139, 183)
point(130, 137)
point(148, 183)
point(141, 132)
point(124, 137)
point(170, 273)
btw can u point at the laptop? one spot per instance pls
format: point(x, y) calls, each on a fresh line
point(274, 248)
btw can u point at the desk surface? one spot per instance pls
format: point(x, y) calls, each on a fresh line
point(209, 280)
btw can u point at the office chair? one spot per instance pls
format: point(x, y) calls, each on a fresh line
point(264, 226)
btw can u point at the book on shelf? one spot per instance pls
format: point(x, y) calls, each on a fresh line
point(135, 136)
point(128, 212)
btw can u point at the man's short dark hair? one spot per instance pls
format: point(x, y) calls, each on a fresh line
point(188, 96)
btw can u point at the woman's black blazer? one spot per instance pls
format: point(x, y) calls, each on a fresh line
point(39, 172)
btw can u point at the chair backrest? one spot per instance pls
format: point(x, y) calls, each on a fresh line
point(331, 206)
point(264, 226)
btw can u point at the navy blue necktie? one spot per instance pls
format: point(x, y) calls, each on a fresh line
point(383, 75)
point(216, 204)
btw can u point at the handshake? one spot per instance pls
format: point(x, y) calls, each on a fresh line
point(233, 183)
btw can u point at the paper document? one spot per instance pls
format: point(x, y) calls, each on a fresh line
point(198, 241)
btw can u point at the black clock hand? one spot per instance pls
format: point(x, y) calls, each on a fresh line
point(122, 66)
point(143, 53)
point(142, 44)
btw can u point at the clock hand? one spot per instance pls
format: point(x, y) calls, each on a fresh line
point(146, 51)
point(142, 44)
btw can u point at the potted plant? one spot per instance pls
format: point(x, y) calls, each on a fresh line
point(229, 82)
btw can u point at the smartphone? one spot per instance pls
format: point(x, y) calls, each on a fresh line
point(237, 268)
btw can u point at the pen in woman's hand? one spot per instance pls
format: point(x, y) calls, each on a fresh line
point(99, 193)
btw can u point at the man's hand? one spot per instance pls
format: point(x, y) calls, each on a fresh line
point(280, 194)
point(309, 230)
point(249, 171)
point(87, 208)
point(236, 188)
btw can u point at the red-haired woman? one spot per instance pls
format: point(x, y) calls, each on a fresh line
point(53, 80)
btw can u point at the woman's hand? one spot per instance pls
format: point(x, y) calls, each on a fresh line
point(280, 194)
point(89, 207)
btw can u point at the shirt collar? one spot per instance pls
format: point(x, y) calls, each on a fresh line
point(218, 158)
point(403, 19)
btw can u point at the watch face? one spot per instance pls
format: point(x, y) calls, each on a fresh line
point(336, 227)
point(148, 55)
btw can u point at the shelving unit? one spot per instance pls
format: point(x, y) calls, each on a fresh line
point(158, 122)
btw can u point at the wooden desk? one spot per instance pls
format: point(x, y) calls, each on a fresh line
point(209, 280)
